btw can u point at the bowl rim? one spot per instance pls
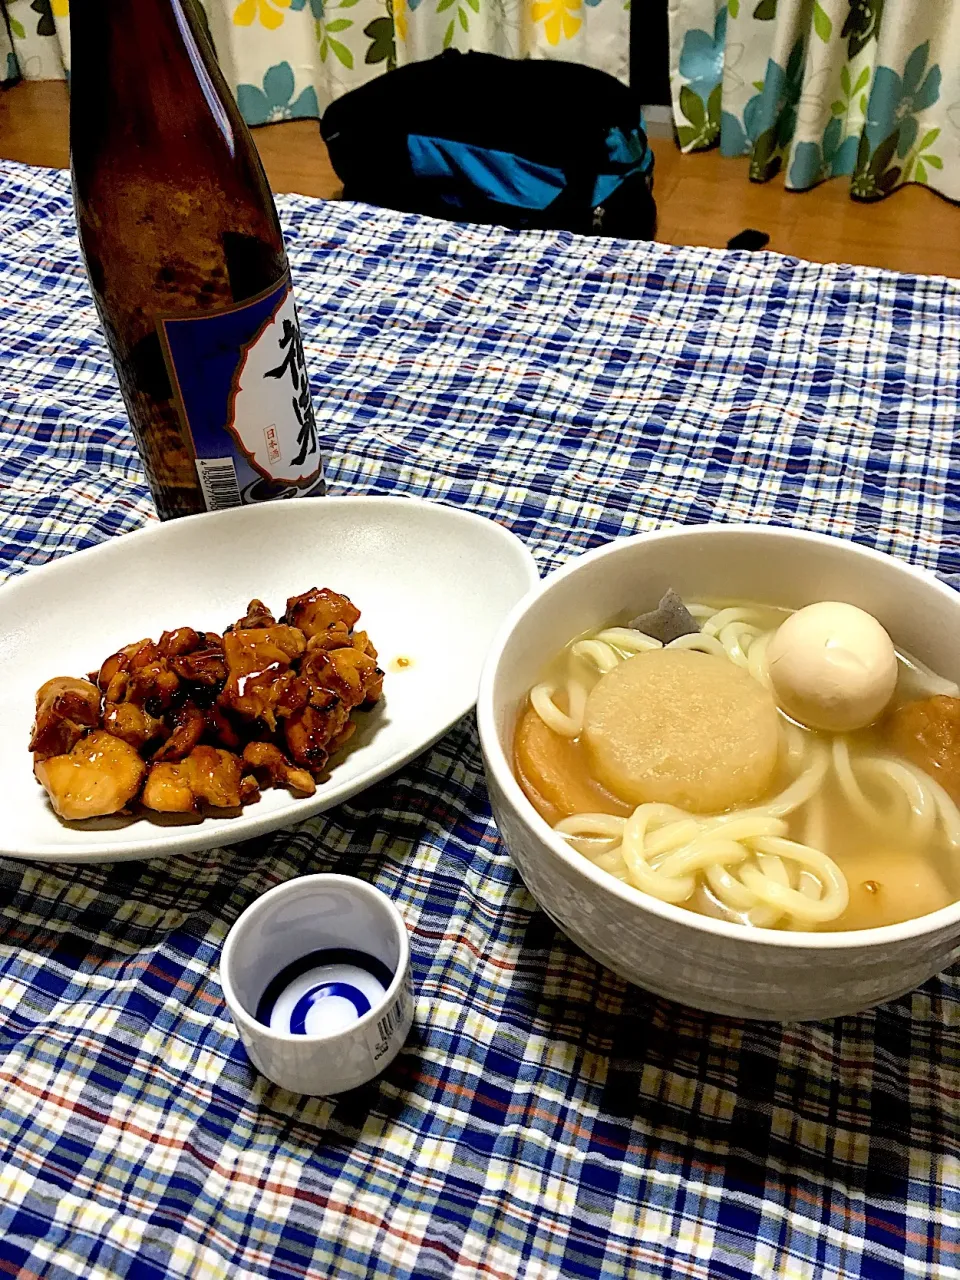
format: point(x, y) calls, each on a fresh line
point(497, 763)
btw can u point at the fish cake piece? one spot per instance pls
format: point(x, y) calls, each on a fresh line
point(555, 773)
point(887, 886)
point(927, 732)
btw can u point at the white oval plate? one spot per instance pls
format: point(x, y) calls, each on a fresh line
point(432, 583)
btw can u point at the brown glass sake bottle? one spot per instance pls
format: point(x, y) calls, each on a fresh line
point(186, 261)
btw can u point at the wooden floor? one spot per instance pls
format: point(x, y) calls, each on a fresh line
point(702, 199)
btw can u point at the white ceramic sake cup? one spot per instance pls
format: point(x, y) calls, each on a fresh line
point(711, 964)
point(318, 913)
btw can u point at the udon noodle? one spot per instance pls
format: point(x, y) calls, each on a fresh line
point(764, 864)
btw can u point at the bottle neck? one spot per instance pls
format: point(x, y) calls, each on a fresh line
point(145, 77)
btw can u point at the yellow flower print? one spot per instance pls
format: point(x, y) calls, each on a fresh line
point(61, 8)
point(399, 8)
point(247, 10)
point(559, 18)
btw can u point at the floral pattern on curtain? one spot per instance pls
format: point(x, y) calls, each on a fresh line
point(290, 58)
point(40, 31)
point(868, 89)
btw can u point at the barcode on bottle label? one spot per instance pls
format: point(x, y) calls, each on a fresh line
point(218, 480)
point(394, 1022)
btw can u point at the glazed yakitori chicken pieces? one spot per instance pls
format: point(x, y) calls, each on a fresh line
point(199, 722)
point(318, 611)
point(133, 724)
point(341, 672)
point(66, 709)
point(100, 774)
point(207, 774)
point(269, 762)
point(260, 671)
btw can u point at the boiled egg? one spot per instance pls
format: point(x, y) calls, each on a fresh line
point(832, 666)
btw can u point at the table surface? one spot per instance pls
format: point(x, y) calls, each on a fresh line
point(544, 1119)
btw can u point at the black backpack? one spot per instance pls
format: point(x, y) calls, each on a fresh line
point(477, 138)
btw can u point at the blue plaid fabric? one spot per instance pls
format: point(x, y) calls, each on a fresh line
point(545, 1119)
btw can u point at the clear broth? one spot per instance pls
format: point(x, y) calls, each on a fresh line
point(888, 882)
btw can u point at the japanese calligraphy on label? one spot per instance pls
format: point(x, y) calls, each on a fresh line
point(243, 393)
point(273, 418)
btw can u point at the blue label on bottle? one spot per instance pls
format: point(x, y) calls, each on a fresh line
point(241, 385)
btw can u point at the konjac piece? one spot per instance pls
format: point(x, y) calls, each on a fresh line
point(670, 620)
point(99, 776)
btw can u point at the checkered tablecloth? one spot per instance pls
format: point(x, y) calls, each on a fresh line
point(545, 1119)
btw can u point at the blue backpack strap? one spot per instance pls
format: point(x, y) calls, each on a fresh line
point(629, 154)
point(461, 169)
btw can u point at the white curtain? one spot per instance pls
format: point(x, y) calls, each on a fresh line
point(290, 58)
